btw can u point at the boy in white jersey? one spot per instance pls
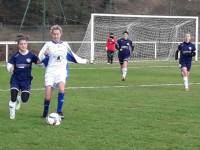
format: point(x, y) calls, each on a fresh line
point(56, 52)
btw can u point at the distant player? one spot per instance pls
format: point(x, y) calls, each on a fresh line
point(20, 66)
point(110, 47)
point(55, 55)
point(187, 51)
point(125, 47)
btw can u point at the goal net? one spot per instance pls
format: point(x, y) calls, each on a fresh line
point(154, 37)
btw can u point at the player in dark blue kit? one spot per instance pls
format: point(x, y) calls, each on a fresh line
point(20, 66)
point(125, 47)
point(187, 51)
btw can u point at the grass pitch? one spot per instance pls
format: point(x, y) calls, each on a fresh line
point(149, 111)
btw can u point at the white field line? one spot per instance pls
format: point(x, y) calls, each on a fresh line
point(117, 86)
point(117, 67)
point(166, 84)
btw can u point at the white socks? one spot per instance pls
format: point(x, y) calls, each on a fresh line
point(12, 106)
point(124, 72)
point(186, 84)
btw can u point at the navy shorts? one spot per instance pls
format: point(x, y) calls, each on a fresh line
point(187, 64)
point(123, 56)
point(24, 85)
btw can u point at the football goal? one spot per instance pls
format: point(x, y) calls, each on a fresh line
point(154, 37)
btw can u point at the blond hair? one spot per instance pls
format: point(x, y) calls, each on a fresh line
point(56, 27)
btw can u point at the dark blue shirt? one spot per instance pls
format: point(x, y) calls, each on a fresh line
point(125, 46)
point(187, 51)
point(23, 65)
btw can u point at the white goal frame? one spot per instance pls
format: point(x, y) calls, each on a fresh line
point(93, 15)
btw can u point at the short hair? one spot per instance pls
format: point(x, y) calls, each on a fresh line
point(56, 27)
point(22, 37)
point(111, 35)
point(125, 32)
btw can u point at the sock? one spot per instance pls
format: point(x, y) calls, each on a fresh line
point(12, 104)
point(186, 84)
point(60, 102)
point(124, 72)
point(46, 105)
point(121, 71)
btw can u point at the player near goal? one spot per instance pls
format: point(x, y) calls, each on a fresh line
point(20, 66)
point(55, 55)
point(110, 47)
point(187, 51)
point(125, 47)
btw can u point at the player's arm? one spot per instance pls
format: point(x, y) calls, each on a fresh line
point(10, 65)
point(193, 53)
point(117, 45)
point(35, 59)
point(71, 56)
point(177, 52)
point(43, 52)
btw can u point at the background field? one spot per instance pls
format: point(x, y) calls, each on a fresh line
point(149, 111)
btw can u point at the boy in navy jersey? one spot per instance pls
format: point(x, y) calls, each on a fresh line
point(125, 47)
point(20, 66)
point(187, 51)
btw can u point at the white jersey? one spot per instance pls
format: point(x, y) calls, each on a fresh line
point(56, 66)
point(56, 69)
point(57, 53)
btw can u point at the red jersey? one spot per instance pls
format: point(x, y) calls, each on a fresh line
point(110, 44)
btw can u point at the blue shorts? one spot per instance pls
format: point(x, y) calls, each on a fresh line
point(187, 64)
point(123, 56)
point(24, 85)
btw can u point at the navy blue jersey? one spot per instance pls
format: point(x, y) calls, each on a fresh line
point(187, 51)
point(22, 65)
point(125, 46)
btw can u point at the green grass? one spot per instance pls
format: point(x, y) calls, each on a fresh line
point(132, 117)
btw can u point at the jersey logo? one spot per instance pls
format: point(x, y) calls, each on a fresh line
point(190, 48)
point(58, 58)
point(127, 43)
point(28, 60)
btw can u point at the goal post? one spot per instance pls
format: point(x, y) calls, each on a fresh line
point(154, 37)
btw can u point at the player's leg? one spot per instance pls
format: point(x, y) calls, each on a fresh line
point(61, 94)
point(47, 100)
point(185, 77)
point(187, 73)
point(124, 69)
point(49, 82)
point(18, 102)
point(121, 68)
point(25, 96)
point(111, 57)
point(12, 103)
point(25, 90)
point(108, 57)
point(14, 89)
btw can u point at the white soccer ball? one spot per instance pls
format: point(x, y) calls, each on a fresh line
point(53, 119)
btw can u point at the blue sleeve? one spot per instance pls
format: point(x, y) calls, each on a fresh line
point(180, 47)
point(119, 43)
point(45, 61)
point(35, 59)
point(12, 59)
point(194, 48)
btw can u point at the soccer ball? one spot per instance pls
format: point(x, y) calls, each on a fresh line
point(53, 119)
